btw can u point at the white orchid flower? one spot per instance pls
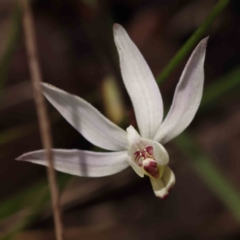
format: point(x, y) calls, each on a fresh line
point(144, 152)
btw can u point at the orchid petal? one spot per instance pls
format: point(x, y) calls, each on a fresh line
point(140, 84)
point(187, 96)
point(81, 163)
point(162, 186)
point(86, 119)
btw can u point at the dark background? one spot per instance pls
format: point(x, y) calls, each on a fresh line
point(77, 54)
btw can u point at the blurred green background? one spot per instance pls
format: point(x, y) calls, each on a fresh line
point(77, 54)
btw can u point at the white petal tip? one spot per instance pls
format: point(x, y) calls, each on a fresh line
point(130, 128)
point(117, 26)
point(22, 157)
point(204, 42)
point(43, 84)
point(119, 32)
point(132, 135)
point(205, 39)
point(48, 85)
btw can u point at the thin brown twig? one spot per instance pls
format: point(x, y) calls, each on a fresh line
point(36, 77)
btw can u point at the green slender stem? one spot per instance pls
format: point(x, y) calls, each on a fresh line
point(188, 46)
point(12, 40)
point(211, 175)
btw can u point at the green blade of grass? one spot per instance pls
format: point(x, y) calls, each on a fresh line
point(15, 133)
point(192, 41)
point(220, 87)
point(217, 181)
point(15, 203)
point(34, 200)
point(12, 41)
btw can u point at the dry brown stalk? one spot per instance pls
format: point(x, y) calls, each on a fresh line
point(44, 125)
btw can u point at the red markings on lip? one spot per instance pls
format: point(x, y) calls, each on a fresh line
point(151, 167)
point(153, 164)
point(152, 170)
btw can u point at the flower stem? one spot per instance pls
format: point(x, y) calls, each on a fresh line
point(30, 40)
point(192, 41)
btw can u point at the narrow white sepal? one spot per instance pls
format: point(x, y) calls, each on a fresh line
point(81, 163)
point(187, 97)
point(86, 119)
point(140, 84)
